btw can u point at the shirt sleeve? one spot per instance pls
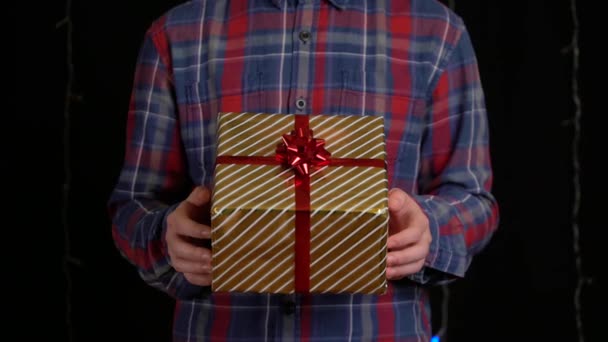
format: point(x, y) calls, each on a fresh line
point(153, 178)
point(455, 174)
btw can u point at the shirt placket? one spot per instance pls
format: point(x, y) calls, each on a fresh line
point(299, 100)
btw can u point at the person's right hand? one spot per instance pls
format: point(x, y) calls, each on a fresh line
point(185, 234)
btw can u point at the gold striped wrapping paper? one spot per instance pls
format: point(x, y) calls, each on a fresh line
point(253, 212)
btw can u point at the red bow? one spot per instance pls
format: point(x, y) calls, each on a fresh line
point(301, 151)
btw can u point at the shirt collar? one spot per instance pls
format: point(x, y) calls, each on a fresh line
point(341, 4)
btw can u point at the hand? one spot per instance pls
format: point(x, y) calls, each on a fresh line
point(409, 236)
point(185, 236)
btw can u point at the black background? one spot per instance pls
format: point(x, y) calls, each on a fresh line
point(521, 288)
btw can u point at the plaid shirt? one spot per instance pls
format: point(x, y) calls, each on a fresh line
point(410, 61)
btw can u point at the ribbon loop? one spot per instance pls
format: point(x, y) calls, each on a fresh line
point(301, 151)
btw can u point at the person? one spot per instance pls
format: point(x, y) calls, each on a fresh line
point(412, 62)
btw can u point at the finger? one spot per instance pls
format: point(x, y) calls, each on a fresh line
point(187, 266)
point(405, 237)
point(182, 249)
point(398, 272)
point(181, 222)
point(408, 255)
point(197, 279)
point(188, 227)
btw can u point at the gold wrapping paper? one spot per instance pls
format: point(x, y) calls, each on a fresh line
point(253, 212)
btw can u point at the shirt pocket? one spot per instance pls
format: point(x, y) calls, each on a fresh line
point(202, 102)
point(369, 93)
point(198, 127)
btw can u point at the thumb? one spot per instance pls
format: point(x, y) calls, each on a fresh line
point(199, 196)
point(398, 210)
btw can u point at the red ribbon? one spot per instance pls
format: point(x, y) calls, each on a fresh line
point(302, 152)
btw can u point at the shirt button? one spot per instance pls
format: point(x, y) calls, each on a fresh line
point(305, 36)
point(300, 104)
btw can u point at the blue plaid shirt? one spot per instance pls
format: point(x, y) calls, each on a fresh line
point(410, 61)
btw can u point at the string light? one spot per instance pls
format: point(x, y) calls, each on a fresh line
point(576, 122)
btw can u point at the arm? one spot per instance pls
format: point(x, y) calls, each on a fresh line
point(154, 177)
point(436, 232)
point(455, 174)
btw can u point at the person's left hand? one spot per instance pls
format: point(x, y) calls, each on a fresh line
point(409, 236)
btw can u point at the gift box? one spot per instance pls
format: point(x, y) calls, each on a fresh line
point(300, 204)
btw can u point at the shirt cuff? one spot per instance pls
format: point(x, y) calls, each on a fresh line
point(441, 265)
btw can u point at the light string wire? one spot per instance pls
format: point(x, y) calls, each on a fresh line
point(581, 279)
